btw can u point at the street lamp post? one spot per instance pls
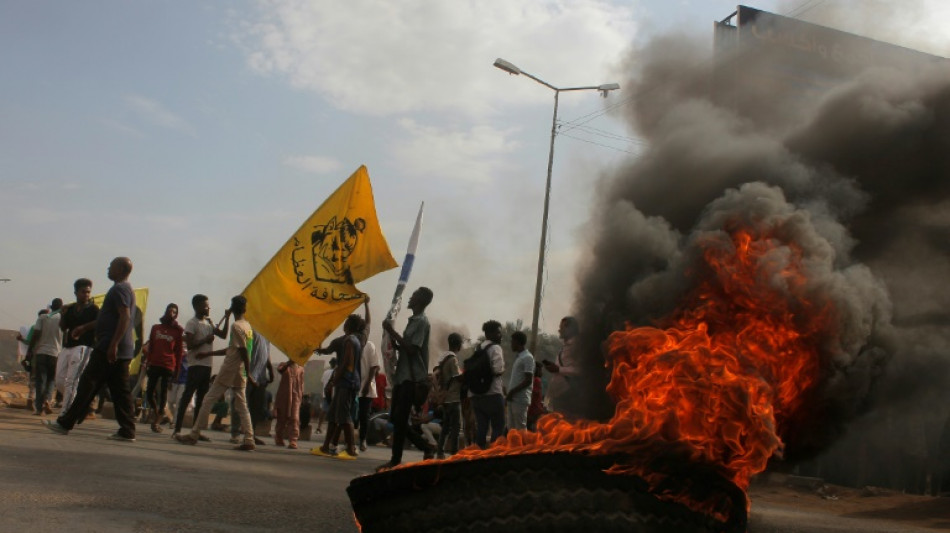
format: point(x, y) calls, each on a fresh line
point(604, 89)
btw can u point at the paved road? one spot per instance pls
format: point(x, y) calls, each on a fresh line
point(85, 482)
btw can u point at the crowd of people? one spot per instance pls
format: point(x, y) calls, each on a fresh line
point(81, 352)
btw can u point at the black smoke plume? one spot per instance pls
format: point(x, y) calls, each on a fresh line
point(858, 174)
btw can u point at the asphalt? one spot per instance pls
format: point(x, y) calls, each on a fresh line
point(85, 482)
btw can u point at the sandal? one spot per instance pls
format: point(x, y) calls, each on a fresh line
point(156, 428)
point(321, 453)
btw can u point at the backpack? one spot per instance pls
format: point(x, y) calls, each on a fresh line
point(477, 374)
point(444, 383)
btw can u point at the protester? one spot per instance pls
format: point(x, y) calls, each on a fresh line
point(77, 324)
point(177, 388)
point(345, 384)
point(164, 357)
point(137, 382)
point(369, 367)
point(325, 388)
point(220, 410)
point(489, 406)
point(109, 363)
point(536, 408)
point(46, 342)
point(565, 372)
point(24, 337)
point(426, 421)
point(413, 362)
point(306, 410)
point(199, 339)
point(381, 402)
point(289, 404)
point(230, 378)
point(520, 382)
point(256, 390)
point(450, 380)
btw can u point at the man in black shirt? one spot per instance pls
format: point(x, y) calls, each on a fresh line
point(77, 324)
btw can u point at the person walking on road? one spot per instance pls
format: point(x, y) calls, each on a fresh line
point(233, 375)
point(46, 343)
point(199, 338)
point(287, 405)
point(77, 324)
point(165, 353)
point(109, 363)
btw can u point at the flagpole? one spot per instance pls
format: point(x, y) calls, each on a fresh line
point(389, 355)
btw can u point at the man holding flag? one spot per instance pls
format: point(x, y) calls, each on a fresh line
point(411, 366)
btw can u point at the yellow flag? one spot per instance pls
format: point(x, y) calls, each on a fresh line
point(307, 289)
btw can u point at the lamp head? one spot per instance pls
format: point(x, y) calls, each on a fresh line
point(607, 87)
point(507, 67)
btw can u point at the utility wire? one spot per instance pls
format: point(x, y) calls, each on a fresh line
point(600, 144)
point(611, 136)
point(584, 119)
point(804, 7)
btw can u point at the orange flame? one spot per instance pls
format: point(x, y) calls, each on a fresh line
point(719, 381)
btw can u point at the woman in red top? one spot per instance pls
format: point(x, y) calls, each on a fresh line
point(536, 407)
point(165, 352)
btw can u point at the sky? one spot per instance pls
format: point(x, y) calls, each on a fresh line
point(195, 137)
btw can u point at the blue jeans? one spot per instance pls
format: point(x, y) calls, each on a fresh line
point(489, 409)
point(44, 378)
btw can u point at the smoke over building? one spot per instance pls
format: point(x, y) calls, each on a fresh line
point(838, 142)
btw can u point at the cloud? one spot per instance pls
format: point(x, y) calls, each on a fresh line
point(378, 58)
point(474, 155)
point(316, 164)
point(155, 113)
point(123, 128)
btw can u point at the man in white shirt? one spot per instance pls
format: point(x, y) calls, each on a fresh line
point(489, 407)
point(46, 343)
point(199, 340)
point(369, 366)
point(520, 382)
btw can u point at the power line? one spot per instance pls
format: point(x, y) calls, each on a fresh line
point(600, 144)
point(600, 112)
point(611, 136)
point(804, 7)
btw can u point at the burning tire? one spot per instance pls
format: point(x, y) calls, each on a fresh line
point(559, 492)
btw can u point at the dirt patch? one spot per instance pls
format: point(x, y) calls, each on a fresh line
point(870, 503)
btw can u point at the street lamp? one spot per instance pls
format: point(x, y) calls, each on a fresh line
point(605, 88)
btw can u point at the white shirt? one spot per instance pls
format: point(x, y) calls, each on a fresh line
point(22, 347)
point(524, 364)
point(368, 359)
point(497, 357)
point(50, 337)
point(200, 329)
